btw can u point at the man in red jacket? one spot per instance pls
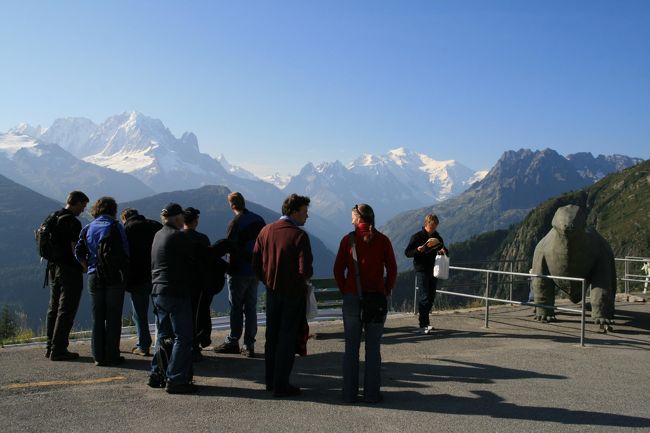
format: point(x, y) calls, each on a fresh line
point(282, 260)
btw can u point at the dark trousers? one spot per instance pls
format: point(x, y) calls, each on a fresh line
point(66, 285)
point(201, 319)
point(140, 313)
point(426, 284)
point(106, 306)
point(284, 315)
point(352, 328)
point(174, 320)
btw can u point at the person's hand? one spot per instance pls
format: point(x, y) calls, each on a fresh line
point(432, 242)
point(420, 248)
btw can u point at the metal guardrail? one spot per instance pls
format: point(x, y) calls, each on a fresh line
point(488, 299)
point(634, 278)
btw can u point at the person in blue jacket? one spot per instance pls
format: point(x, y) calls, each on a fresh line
point(103, 252)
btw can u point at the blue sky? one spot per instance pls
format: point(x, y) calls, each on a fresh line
point(275, 84)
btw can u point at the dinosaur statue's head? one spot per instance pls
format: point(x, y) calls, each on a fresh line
point(569, 220)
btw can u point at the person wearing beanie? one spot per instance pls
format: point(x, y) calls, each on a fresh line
point(202, 324)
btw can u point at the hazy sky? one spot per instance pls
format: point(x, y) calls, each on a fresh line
point(275, 84)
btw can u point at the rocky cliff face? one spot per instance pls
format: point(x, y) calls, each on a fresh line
point(518, 182)
point(617, 207)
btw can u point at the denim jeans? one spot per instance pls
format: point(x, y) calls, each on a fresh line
point(426, 284)
point(174, 318)
point(66, 285)
point(106, 305)
point(284, 315)
point(140, 314)
point(242, 294)
point(352, 327)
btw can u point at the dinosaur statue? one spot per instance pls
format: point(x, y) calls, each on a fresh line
point(570, 249)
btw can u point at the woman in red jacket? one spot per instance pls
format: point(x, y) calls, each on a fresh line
point(364, 300)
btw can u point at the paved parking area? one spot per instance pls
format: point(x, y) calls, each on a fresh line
point(516, 376)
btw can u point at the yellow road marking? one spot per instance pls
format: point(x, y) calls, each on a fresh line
point(63, 382)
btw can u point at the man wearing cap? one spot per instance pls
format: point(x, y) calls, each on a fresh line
point(171, 264)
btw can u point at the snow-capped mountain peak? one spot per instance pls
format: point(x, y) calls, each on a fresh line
point(234, 169)
point(27, 129)
point(277, 179)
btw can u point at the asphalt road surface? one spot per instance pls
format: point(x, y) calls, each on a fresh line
point(518, 375)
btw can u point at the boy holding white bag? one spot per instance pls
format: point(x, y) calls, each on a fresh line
point(424, 247)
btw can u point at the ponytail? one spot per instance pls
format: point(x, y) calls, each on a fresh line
point(367, 237)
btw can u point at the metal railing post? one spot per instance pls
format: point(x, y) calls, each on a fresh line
point(627, 283)
point(487, 300)
point(582, 314)
point(415, 294)
point(512, 280)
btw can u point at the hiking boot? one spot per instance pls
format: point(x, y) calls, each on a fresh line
point(248, 351)
point(137, 351)
point(227, 348)
point(181, 388)
point(290, 391)
point(156, 381)
point(64, 356)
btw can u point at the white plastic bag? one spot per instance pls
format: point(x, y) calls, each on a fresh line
point(441, 267)
point(312, 306)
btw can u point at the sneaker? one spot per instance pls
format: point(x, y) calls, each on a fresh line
point(137, 351)
point(64, 356)
point(156, 381)
point(227, 348)
point(427, 330)
point(181, 388)
point(248, 351)
point(290, 391)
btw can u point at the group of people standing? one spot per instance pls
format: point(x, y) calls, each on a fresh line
point(179, 270)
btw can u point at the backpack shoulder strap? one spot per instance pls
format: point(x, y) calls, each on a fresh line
point(357, 272)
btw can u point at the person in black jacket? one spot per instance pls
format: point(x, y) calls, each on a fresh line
point(423, 247)
point(200, 303)
point(171, 267)
point(140, 232)
point(65, 277)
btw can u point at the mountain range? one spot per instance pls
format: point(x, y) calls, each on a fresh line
point(22, 211)
point(616, 206)
point(52, 171)
point(131, 156)
point(400, 179)
point(518, 182)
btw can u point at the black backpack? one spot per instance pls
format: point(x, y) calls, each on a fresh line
point(112, 261)
point(163, 355)
point(46, 237)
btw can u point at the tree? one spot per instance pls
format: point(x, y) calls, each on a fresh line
point(8, 323)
